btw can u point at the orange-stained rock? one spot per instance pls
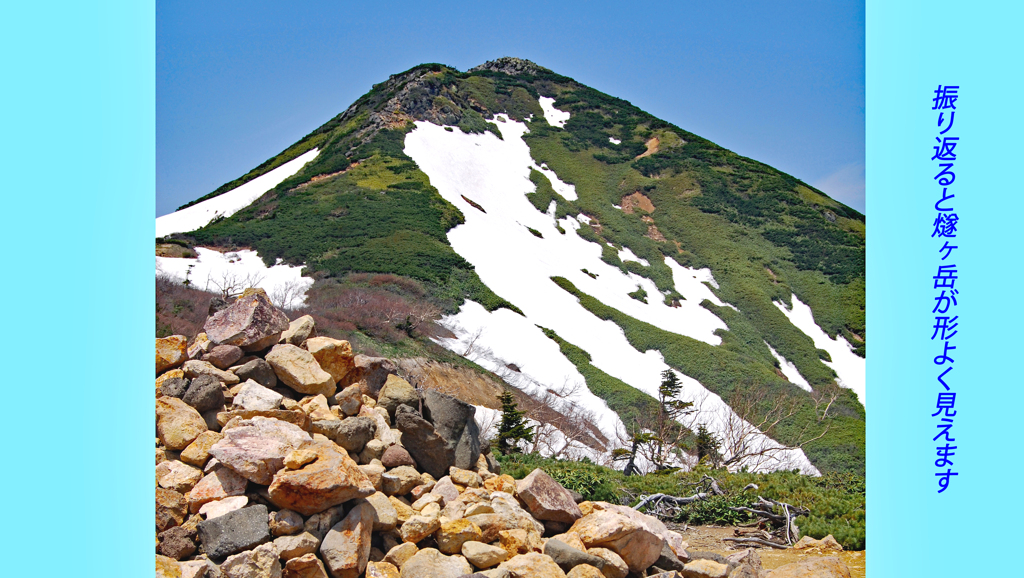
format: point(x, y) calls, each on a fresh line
point(177, 423)
point(503, 483)
point(452, 535)
point(429, 563)
point(346, 547)
point(829, 567)
point(170, 352)
point(532, 565)
point(198, 451)
point(297, 368)
point(170, 509)
point(256, 448)
point(332, 478)
point(167, 567)
point(572, 539)
point(334, 355)
point(381, 570)
point(305, 566)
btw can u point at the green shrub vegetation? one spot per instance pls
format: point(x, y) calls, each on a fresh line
point(836, 501)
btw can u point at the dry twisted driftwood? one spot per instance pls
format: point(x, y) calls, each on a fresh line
point(765, 510)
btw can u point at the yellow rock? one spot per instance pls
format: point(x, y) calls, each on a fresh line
point(198, 452)
point(452, 535)
point(584, 571)
point(572, 539)
point(177, 423)
point(503, 483)
point(381, 570)
point(170, 352)
point(532, 565)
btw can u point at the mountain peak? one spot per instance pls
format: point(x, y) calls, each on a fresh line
point(511, 66)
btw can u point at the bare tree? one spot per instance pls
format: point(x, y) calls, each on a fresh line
point(288, 295)
point(231, 284)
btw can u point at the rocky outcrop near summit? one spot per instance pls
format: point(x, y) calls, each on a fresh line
point(260, 477)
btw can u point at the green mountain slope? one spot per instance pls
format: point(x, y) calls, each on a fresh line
point(363, 206)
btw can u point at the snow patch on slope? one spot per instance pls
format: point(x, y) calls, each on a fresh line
point(790, 370)
point(693, 283)
point(229, 203)
point(626, 255)
point(212, 270)
point(518, 265)
point(554, 116)
point(849, 367)
point(614, 140)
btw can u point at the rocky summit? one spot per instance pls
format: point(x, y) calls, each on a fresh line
point(259, 476)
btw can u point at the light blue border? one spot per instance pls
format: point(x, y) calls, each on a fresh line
point(911, 47)
point(77, 158)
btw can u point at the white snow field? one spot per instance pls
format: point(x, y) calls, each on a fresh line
point(229, 203)
point(213, 271)
point(554, 116)
point(626, 255)
point(849, 367)
point(790, 370)
point(517, 265)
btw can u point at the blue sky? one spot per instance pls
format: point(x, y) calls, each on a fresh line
point(239, 82)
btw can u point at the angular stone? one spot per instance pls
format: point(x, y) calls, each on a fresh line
point(299, 330)
point(400, 553)
point(483, 555)
point(260, 562)
point(568, 557)
point(350, 399)
point(331, 479)
point(317, 409)
point(285, 523)
point(300, 457)
point(198, 452)
point(204, 394)
point(176, 543)
point(464, 478)
point(402, 509)
point(257, 370)
point(218, 484)
point(385, 517)
point(289, 547)
point(381, 570)
point(419, 437)
point(305, 566)
point(320, 524)
point(502, 483)
point(193, 568)
point(200, 345)
point(167, 567)
point(195, 368)
point(334, 356)
point(346, 548)
point(397, 391)
point(452, 535)
point(396, 456)
point(170, 352)
point(532, 565)
point(480, 508)
point(177, 476)
point(586, 571)
point(827, 567)
point(547, 499)
point(519, 541)
point(223, 356)
point(400, 481)
point(374, 472)
point(220, 507)
point(235, 531)
point(614, 566)
point(453, 420)
point(571, 539)
point(637, 546)
point(669, 561)
point(418, 527)
point(297, 368)
point(295, 417)
point(253, 396)
point(173, 386)
point(246, 322)
point(370, 373)
point(171, 509)
point(256, 448)
point(705, 569)
point(374, 450)
point(429, 563)
point(177, 423)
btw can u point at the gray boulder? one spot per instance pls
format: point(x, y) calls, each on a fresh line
point(204, 394)
point(351, 433)
point(453, 420)
point(419, 437)
point(235, 531)
point(568, 557)
point(259, 371)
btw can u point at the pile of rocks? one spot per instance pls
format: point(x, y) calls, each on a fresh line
point(280, 453)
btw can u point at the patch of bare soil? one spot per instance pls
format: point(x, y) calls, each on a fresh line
point(710, 539)
point(637, 200)
point(173, 250)
point(652, 147)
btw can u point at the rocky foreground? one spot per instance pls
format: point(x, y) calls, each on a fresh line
point(283, 454)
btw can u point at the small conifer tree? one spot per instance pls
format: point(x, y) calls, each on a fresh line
point(512, 430)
